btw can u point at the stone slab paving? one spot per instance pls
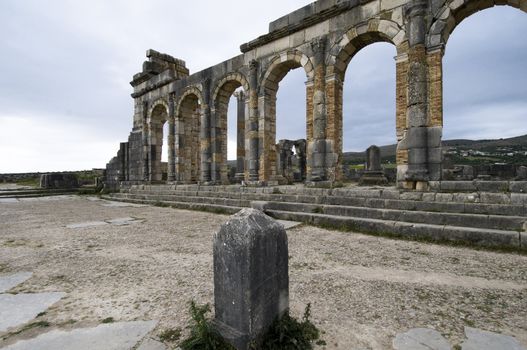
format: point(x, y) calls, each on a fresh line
point(420, 339)
point(17, 309)
point(121, 204)
point(87, 224)
point(478, 339)
point(11, 281)
point(113, 336)
point(116, 222)
point(151, 344)
point(289, 224)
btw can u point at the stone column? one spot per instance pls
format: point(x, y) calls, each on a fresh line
point(334, 133)
point(240, 135)
point(435, 111)
point(171, 177)
point(251, 280)
point(251, 125)
point(205, 135)
point(316, 153)
point(122, 160)
point(417, 175)
point(146, 146)
point(401, 125)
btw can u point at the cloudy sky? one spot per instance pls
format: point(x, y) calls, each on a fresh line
point(66, 65)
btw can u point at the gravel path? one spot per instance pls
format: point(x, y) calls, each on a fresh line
point(363, 289)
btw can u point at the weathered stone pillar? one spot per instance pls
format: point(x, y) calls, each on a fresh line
point(316, 147)
point(171, 140)
point(334, 88)
point(122, 160)
point(205, 135)
point(417, 104)
point(435, 111)
point(251, 126)
point(240, 135)
point(251, 282)
point(146, 145)
point(401, 122)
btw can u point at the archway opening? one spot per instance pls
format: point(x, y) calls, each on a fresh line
point(229, 156)
point(158, 137)
point(285, 118)
point(188, 141)
point(369, 110)
point(485, 105)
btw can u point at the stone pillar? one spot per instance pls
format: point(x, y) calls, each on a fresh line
point(251, 282)
point(251, 127)
point(334, 88)
point(435, 111)
point(316, 152)
point(146, 146)
point(417, 105)
point(401, 125)
point(122, 161)
point(171, 177)
point(205, 135)
point(240, 135)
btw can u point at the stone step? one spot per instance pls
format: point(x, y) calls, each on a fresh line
point(414, 202)
point(213, 208)
point(185, 199)
point(36, 193)
point(503, 222)
point(499, 222)
point(441, 233)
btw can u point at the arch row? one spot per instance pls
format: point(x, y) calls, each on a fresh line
point(453, 12)
point(415, 128)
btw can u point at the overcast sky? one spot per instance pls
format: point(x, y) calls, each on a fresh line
point(66, 66)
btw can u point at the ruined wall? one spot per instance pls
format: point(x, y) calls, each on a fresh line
point(321, 39)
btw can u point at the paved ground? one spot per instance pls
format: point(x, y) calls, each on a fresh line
point(141, 263)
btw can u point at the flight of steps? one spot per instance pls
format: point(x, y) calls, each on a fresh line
point(487, 218)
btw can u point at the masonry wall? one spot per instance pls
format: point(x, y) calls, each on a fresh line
point(321, 39)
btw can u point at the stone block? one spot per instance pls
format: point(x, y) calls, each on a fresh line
point(495, 198)
point(518, 186)
point(492, 186)
point(251, 282)
point(458, 186)
point(519, 198)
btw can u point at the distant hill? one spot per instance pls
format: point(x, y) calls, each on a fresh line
point(388, 152)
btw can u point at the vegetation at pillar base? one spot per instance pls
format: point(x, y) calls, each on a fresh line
point(286, 333)
point(203, 336)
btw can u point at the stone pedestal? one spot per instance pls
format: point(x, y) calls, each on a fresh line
point(373, 174)
point(251, 282)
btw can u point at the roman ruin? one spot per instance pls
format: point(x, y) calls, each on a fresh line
point(320, 38)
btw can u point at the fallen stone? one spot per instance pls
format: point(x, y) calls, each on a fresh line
point(17, 309)
point(151, 344)
point(121, 204)
point(112, 336)
point(8, 200)
point(11, 281)
point(87, 224)
point(420, 339)
point(289, 224)
point(478, 339)
point(123, 221)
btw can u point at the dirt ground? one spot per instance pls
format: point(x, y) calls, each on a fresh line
point(363, 289)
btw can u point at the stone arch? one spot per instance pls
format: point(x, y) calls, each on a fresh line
point(338, 59)
point(358, 37)
point(453, 12)
point(188, 114)
point(158, 115)
point(276, 70)
point(222, 93)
